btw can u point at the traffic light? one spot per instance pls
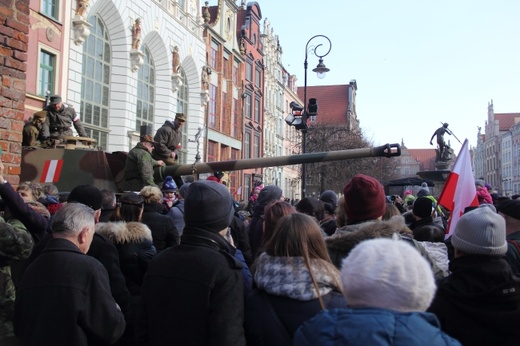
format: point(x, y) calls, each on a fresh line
point(312, 109)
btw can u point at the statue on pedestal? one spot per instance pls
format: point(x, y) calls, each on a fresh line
point(176, 60)
point(442, 152)
point(136, 34)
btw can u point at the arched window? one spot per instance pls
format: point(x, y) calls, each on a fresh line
point(95, 82)
point(182, 107)
point(145, 92)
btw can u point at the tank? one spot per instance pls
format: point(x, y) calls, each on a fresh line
point(76, 162)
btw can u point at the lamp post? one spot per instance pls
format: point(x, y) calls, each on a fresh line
point(321, 70)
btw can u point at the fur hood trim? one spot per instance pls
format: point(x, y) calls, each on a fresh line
point(121, 232)
point(345, 242)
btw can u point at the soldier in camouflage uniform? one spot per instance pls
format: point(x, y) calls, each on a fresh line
point(139, 164)
point(168, 138)
point(15, 245)
point(32, 130)
point(60, 118)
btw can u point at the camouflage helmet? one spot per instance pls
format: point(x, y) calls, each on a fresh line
point(41, 115)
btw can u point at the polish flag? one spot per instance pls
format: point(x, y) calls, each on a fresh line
point(51, 171)
point(459, 191)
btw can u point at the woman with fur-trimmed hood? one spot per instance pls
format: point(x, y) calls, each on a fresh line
point(132, 239)
point(134, 244)
point(339, 246)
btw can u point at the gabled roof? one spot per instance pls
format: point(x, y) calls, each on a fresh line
point(506, 120)
point(332, 102)
point(426, 157)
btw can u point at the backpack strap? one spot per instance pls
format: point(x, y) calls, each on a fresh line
point(515, 244)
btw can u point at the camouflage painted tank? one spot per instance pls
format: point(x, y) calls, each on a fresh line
point(76, 163)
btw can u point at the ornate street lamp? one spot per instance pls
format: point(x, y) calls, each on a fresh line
point(311, 109)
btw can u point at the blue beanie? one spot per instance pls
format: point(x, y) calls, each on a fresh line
point(169, 185)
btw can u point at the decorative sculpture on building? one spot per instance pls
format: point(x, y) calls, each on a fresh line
point(205, 13)
point(136, 56)
point(81, 7)
point(242, 46)
point(80, 27)
point(176, 60)
point(206, 71)
point(176, 68)
point(136, 34)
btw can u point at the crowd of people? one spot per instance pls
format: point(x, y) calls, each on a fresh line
point(282, 276)
point(188, 265)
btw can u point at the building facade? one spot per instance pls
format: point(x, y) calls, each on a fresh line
point(252, 90)
point(122, 64)
point(273, 104)
point(223, 81)
point(495, 159)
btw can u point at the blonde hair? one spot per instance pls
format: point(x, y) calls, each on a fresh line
point(35, 188)
point(341, 216)
point(151, 194)
point(299, 235)
point(390, 211)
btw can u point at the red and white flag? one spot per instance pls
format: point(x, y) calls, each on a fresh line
point(459, 191)
point(51, 171)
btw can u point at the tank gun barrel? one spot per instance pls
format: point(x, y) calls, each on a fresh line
point(387, 150)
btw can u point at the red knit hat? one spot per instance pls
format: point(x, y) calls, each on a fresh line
point(364, 199)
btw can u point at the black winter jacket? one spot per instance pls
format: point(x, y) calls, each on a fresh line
point(479, 303)
point(64, 287)
point(263, 328)
point(164, 232)
point(133, 241)
point(193, 294)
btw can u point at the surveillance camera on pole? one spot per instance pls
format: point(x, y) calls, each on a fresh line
point(297, 117)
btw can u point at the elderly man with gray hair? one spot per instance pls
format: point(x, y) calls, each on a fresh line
point(64, 297)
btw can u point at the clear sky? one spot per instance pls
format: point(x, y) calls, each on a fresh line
point(416, 62)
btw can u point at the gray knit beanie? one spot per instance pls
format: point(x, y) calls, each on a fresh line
point(267, 194)
point(480, 182)
point(480, 232)
point(394, 276)
point(208, 206)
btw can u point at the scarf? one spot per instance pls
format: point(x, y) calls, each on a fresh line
point(289, 277)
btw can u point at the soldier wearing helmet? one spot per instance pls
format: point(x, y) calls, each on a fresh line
point(32, 130)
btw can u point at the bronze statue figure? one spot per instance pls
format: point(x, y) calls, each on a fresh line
point(442, 150)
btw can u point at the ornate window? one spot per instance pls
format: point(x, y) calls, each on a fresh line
point(247, 145)
point(182, 107)
point(247, 111)
point(235, 130)
point(145, 92)
point(212, 106)
point(256, 146)
point(257, 110)
point(50, 8)
point(95, 82)
point(47, 76)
